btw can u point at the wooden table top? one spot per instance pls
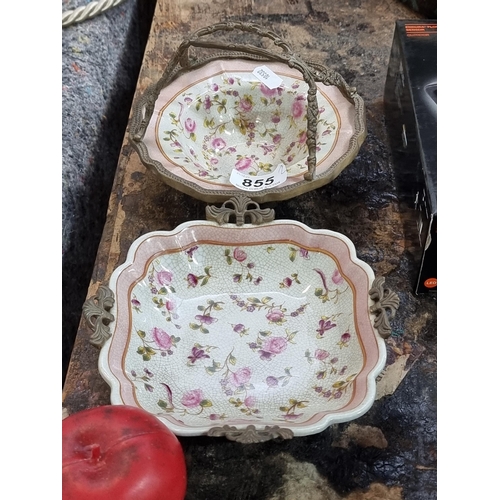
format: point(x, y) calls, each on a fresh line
point(354, 38)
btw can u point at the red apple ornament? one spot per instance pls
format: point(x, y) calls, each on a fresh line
point(120, 453)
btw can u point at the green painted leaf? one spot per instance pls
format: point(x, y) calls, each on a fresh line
point(194, 326)
point(206, 403)
point(141, 333)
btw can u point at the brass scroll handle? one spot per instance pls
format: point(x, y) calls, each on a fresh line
point(240, 208)
point(97, 315)
point(250, 434)
point(385, 306)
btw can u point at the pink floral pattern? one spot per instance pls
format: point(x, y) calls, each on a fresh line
point(160, 341)
point(242, 371)
point(212, 133)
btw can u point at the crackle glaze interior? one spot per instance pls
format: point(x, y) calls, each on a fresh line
point(263, 325)
point(220, 117)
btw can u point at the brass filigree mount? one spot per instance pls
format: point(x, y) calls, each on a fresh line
point(241, 208)
point(250, 434)
point(384, 309)
point(97, 315)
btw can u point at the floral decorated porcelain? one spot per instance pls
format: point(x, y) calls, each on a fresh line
point(221, 118)
point(233, 328)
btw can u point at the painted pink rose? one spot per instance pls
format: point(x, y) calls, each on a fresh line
point(188, 100)
point(246, 104)
point(239, 254)
point(162, 339)
point(277, 138)
point(230, 80)
point(275, 316)
point(192, 398)
point(337, 277)
point(135, 303)
point(192, 280)
point(214, 161)
point(243, 164)
point(321, 354)
point(272, 381)
point(250, 401)
point(303, 137)
point(241, 376)
point(267, 91)
point(298, 108)
point(292, 416)
point(190, 125)
point(207, 104)
point(170, 305)
point(164, 277)
point(239, 328)
point(345, 339)
point(287, 282)
point(218, 143)
point(274, 345)
point(205, 319)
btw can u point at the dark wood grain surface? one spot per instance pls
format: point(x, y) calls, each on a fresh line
point(390, 453)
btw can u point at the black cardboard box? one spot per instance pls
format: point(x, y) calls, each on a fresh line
point(410, 100)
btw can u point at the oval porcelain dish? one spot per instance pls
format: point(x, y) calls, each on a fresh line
point(209, 119)
point(221, 329)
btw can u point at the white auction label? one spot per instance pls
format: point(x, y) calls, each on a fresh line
point(258, 183)
point(268, 77)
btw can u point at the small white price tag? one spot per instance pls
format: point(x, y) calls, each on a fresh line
point(258, 183)
point(268, 77)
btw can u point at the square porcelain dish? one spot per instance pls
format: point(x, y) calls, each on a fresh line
point(251, 332)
